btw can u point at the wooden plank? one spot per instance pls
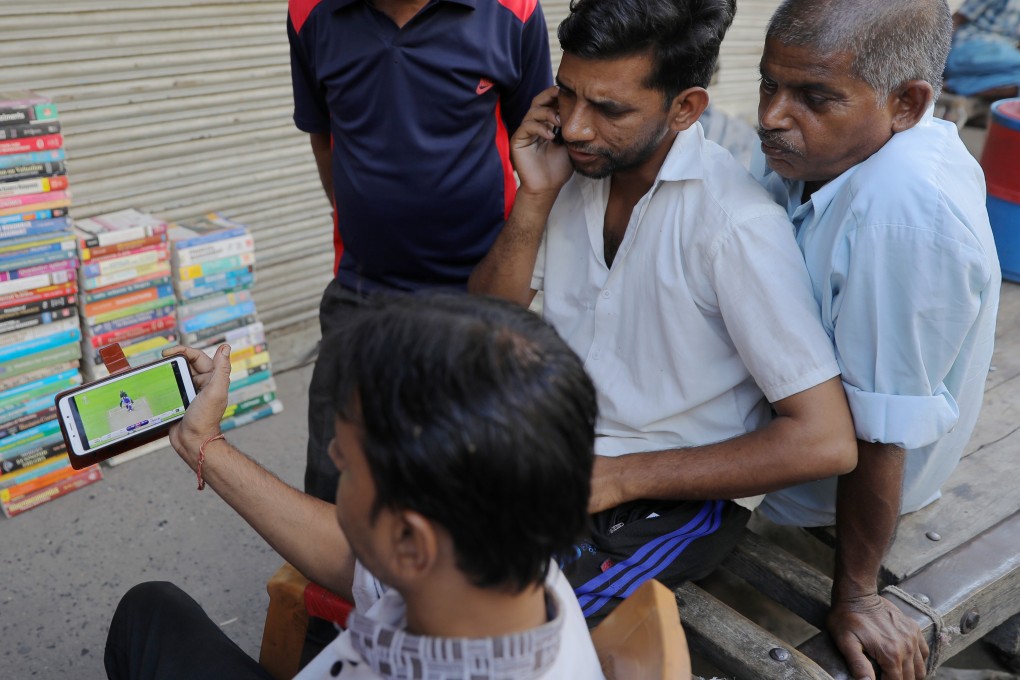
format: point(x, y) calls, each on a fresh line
point(782, 577)
point(981, 493)
point(974, 589)
point(737, 646)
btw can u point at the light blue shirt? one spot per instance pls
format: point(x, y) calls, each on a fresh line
point(903, 265)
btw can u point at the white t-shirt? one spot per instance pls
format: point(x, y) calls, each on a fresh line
point(706, 308)
point(375, 646)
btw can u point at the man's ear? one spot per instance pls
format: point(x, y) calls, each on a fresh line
point(687, 107)
point(909, 102)
point(415, 545)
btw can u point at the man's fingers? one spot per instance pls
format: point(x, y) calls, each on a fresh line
point(198, 361)
point(221, 365)
point(859, 665)
point(920, 656)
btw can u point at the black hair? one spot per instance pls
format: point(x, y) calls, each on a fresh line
point(683, 36)
point(477, 415)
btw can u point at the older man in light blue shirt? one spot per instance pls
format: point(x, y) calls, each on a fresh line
point(889, 211)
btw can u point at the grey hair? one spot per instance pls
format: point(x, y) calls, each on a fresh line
point(892, 41)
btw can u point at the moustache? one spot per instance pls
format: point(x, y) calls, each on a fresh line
point(776, 139)
point(581, 147)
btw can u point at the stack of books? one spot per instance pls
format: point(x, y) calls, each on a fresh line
point(126, 294)
point(214, 271)
point(39, 329)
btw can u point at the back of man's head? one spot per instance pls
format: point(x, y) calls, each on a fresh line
point(892, 41)
point(683, 36)
point(476, 415)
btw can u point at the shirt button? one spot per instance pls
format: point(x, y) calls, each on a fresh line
point(606, 293)
point(337, 667)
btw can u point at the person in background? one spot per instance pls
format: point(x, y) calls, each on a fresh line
point(985, 56)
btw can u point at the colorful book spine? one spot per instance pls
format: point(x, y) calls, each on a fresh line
point(27, 421)
point(8, 340)
point(138, 330)
point(32, 144)
point(25, 378)
point(143, 311)
point(215, 334)
point(214, 251)
point(57, 265)
point(224, 300)
point(41, 344)
point(35, 259)
point(31, 215)
point(216, 284)
point(28, 187)
point(34, 472)
point(79, 480)
point(38, 319)
point(36, 304)
point(32, 456)
point(210, 267)
point(108, 292)
point(49, 384)
point(26, 439)
point(15, 160)
point(24, 488)
point(121, 248)
point(251, 416)
point(24, 107)
point(126, 275)
point(37, 227)
point(38, 293)
point(29, 129)
point(206, 239)
point(32, 170)
point(54, 200)
point(216, 317)
point(144, 257)
point(95, 310)
point(32, 282)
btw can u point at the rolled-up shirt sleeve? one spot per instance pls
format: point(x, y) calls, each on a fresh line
point(908, 300)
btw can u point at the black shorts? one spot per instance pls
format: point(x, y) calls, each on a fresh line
point(670, 541)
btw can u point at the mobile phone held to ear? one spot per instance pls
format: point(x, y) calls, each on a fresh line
point(123, 411)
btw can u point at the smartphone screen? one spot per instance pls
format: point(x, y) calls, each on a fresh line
point(126, 405)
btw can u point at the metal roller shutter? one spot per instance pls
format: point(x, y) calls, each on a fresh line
point(181, 107)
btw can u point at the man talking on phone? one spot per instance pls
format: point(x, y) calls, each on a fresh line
point(677, 279)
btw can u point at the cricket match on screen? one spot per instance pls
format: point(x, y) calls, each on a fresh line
point(131, 404)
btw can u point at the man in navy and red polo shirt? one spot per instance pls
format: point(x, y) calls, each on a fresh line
point(409, 104)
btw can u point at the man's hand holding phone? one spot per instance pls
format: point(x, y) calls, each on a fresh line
point(537, 149)
point(202, 419)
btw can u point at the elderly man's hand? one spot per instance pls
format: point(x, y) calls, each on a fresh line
point(871, 626)
point(202, 418)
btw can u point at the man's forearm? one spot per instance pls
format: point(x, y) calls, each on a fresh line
point(322, 149)
point(811, 438)
point(507, 268)
point(301, 528)
point(867, 511)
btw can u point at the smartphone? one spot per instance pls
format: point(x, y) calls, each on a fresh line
point(558, 136)
point(123, 411)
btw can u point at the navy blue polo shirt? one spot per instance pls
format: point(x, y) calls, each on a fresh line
point(419, 118)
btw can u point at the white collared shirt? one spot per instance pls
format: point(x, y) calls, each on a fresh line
point(706, 314)
point(903, 264)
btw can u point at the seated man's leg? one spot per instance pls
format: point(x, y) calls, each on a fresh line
point(160, 633)
point(668, 541)
point(977, 65)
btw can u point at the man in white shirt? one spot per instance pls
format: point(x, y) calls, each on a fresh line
point(464, 439)
point(678, 281)
point(889, 211)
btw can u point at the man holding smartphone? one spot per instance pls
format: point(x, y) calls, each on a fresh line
point(422, 444)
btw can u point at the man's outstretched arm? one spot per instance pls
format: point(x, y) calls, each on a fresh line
point(862, 623)
point(302, 528)
point(811, 437)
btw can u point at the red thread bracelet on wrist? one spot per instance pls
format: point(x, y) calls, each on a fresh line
point(201, 459)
